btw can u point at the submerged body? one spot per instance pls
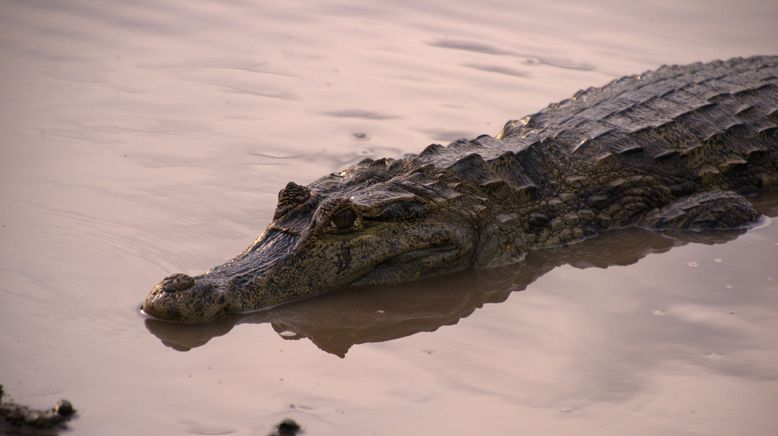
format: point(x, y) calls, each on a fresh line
point(676, 148)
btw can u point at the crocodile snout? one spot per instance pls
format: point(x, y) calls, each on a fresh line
point(180, 297)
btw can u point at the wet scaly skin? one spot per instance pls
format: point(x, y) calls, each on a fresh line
point(676, 148)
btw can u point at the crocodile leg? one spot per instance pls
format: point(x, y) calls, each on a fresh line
point(716, 210)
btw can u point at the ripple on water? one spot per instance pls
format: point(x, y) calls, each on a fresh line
point(106, 239)
point(497, 69)
point(205, 428)
point(529, 59)
point(358, 113)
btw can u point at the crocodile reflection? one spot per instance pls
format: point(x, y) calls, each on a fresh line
point(337, 321)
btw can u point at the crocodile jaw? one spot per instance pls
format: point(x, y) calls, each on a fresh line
point(280, 268)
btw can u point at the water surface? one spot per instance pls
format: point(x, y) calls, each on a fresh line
point(143, 138)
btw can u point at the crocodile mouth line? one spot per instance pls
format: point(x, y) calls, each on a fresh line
point(394, 263)
point(410, 262)
point(416, 255)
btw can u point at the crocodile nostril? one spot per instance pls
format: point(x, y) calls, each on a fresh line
point(176, 282)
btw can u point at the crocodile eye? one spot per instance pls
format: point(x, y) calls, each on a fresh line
point(343, 219)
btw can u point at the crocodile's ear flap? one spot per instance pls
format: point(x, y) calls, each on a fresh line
point(402, 211)
point(290, 197)
point(389, 205)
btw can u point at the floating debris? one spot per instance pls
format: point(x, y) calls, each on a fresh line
point(287, 427)
point(19, 419)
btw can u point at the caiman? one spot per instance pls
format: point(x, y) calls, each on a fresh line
point(677, 148)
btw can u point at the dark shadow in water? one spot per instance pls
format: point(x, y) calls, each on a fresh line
point(497, 69)
point(356, 113)
point(337, 321)
point(529, 58)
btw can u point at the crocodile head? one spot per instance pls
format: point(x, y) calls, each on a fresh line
point(336, 233)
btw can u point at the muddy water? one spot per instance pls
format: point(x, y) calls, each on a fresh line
point(146, 138)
